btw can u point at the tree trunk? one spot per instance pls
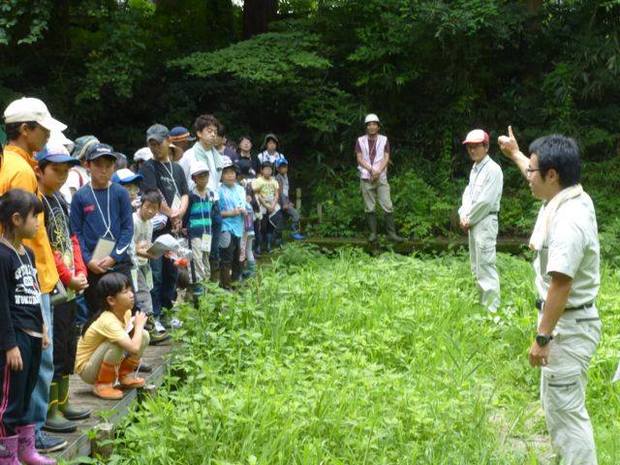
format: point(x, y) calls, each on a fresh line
point(256, 16)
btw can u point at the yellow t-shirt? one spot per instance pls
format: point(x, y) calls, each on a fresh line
point(266, 189)
point(106, 328)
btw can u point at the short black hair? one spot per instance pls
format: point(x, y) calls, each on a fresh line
point(13, 129)
point(152, 196)
point(17, 201)
point(560, 153)
point(207, 120)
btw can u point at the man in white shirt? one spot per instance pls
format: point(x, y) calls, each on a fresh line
point(479, 216)
point(567, 262)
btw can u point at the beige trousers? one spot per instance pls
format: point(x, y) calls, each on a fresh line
point(110, 353)
point(376, 191)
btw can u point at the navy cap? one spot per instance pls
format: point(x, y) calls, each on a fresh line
point(179, 134)
point(100, 150)
point(56, 153)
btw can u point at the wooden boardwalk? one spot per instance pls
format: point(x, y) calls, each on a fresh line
point(107, 411)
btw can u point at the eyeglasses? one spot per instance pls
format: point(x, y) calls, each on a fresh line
point(532, 170)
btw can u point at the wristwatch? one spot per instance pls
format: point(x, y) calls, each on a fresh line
point(542, 339)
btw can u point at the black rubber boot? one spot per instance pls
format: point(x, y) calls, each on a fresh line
point(390, 228)
point(372, 225)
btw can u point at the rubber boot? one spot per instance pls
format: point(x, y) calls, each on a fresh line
point(26, 451)
point(214, 265)
point(55, 421)
point(126, 373)
point(269, 241)
point(390, 228)
point(104, 386)
point(8, 450)
point(372, 226)
point(69, 412)
point(225, 276)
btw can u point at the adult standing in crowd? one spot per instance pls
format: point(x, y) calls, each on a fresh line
point(373, 155)
point(180, 142)
point(166, 176)
point(28, 123)
point(479, 216)
point(565, 239)
point(247, 162)
point(208, 130)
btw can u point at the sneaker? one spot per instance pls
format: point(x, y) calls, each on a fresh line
point(159, 327)
point(298, 236)
point(46, 444)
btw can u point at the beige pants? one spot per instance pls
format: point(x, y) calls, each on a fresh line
point(201, 260)
point(373, 191)
point(482, 255)
point(563, 386)
point(110, 353)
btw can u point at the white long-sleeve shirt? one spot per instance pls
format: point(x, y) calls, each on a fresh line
point(483, 194)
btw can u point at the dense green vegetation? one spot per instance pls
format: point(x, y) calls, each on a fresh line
point(350, 360)
point(431, 69)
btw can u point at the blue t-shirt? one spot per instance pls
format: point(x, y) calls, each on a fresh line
point(103, 213)
point(231, 198)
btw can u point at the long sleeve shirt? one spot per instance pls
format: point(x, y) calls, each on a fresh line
point(103, 213)
point(20, 298)
point(483, 194)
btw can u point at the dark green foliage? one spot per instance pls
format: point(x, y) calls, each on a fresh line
point(431, 69)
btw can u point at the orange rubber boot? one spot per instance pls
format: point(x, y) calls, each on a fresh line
point(104, 386)
point(127, 375)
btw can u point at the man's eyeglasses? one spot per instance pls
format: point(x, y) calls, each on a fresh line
point(532, 170)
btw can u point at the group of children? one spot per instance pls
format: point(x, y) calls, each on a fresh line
point(93, 222)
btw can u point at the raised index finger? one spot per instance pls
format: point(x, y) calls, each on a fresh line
point(510, 133)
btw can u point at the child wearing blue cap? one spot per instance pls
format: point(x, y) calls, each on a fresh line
point(285, 201)
point(54, 163)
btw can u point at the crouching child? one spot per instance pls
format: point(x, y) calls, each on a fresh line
point(112, 343)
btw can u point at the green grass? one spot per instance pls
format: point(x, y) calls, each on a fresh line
point(356, 360)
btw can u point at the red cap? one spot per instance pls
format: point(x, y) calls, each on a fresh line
point(476, 137)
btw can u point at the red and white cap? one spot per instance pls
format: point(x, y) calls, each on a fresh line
point(31, 109)
point(476, 137)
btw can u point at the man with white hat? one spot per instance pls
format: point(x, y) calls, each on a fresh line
point(373, 155)
point(478, 216)
point(28, 124)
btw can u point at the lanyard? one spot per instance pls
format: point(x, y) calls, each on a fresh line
point(106, 222)
point(170, 172)
point(35, 282)
point(64, 226)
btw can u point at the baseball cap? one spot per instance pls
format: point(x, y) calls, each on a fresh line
point(100, 150)
point(143, 154)
point(157, 132)
point(125, 176)
point(55, 152)
point(371, 118)
point(57, 136)
point(83, 145)
point(179, 134)
point(31, 109)
point(198, 167)
point(476, 136)
point(281, 162)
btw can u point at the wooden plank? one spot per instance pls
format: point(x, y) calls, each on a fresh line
point(108, 411)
